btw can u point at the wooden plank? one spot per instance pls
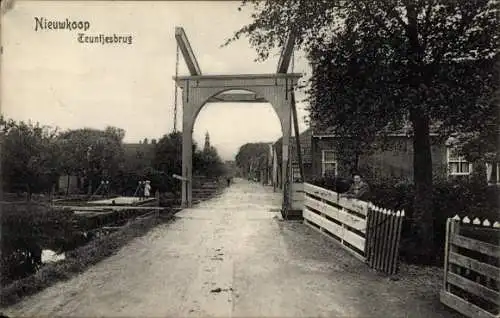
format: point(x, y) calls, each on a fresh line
point(284, 60)
point(325, 194)
point(475, 245)
point(462, 306)
point(357, 206)
point(382, 239)
point(472, 264)
point(237, 97)
point(377, 238)
point(399, 229)
point(390, 240)
point(446, 253)
point(311, 216)
point(369, 237)
point(298, 187)
point(474, 288)
point(339, 215)
point(187, 51)
point(343, 233)
point(481, 233)
point(353, 252)
point(393, 254)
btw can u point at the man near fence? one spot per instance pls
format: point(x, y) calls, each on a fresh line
point(359, 188)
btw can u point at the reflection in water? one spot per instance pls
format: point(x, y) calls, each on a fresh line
point(49, 256)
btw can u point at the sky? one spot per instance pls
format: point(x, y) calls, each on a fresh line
point(49, 77)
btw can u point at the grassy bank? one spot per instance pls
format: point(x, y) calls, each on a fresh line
point(78, 260)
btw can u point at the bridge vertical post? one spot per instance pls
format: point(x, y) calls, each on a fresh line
point(187, 161)
point(187, 151)
point(286, 122)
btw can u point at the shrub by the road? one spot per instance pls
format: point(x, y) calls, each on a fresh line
point(449, 198)
point(27, 229)
point(77, 261)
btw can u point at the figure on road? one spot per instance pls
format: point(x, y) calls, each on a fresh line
point(359, 188)
point(147, 189)
point(228, 181)
point(140, 190)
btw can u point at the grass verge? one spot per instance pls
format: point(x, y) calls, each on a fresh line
point(78, 260)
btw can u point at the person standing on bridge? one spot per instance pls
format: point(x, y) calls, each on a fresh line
point(147, 189)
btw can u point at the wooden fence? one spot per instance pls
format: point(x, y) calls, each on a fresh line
point(471, 268)
point(370, 233)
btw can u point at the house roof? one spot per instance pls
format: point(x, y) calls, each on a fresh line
point(405, 130)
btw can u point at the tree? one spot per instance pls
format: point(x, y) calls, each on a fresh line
point(29, 156)
point(91, 153)
point(479, 137)
point(207, 162)
point(168, 160)
point(416, 59)
point(168, 154)
point(252, 157)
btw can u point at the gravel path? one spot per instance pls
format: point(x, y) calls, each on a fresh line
point(233, 256)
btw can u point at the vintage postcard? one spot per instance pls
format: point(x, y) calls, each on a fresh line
point(298, 158)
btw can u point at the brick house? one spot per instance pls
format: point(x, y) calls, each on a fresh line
point(395, 160)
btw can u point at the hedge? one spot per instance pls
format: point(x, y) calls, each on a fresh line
point(450, 198)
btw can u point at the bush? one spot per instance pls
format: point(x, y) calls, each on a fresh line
point(450, 198)
point(340, 185)
point(76, 261)
point(27, 229)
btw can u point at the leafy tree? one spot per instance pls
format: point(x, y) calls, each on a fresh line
point(252, 157)
point(414, 60)
point(479, 138)
point(168, 160)
point(29, 156)
point(168, 154)
point(91, 153)
point(207, 162)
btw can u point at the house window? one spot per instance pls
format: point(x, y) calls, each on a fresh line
point(295, 172)
point(328, 163)
point(457, 165)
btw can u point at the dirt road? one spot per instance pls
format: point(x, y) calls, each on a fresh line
point(232, 256)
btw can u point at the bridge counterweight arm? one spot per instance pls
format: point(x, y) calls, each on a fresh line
point(187, 51)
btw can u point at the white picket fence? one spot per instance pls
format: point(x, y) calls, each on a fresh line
point(370, 233)
point(472, 267)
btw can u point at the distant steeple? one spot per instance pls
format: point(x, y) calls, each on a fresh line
point(207, 141)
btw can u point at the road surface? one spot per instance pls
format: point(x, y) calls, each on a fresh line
point(233, 256)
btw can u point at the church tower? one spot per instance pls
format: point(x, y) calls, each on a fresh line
point(207, 142)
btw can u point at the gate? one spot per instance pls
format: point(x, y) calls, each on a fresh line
point(370, 233)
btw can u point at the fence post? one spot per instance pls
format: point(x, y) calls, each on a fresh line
point(398, 237)
point(376, 236)
point(369, 234)
point(386, 240)
point(452, 225)
point(446, 254)
point(391, 240)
